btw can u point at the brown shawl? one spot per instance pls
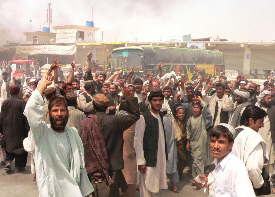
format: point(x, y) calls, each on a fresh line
point(96, 158)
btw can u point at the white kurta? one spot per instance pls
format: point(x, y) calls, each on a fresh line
point(53, 178)
point(250, 148)
point(231, 178)
point(154, 178)
point(265, 132)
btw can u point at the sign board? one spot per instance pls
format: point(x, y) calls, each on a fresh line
point(66, 36)
point(125, 54)
point(196, 45)
point(231, 74)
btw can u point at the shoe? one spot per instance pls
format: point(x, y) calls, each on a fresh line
point(174, 188)
point(17, 170)
point(8, 166)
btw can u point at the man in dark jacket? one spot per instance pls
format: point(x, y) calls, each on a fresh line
point(14, 126)
point(112, 129)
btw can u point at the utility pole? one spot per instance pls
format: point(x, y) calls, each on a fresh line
point(49, 15)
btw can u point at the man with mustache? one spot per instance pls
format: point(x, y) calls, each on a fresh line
point(151, 148)
point(59, 153)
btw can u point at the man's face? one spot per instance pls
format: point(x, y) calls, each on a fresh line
point(267, 101)
point(230, 85)
point(131, 90)
point(76, 85)
point(269, 88)
point(32, 85)
point(155, 85)
point(196, 110)
point(68, 88)
point(238, 99)
point(220, 91)
point(195, 99)
point(258, 90)
point(189, 94)
point(180, 114)
point(256, 125)
point(4, 77)
point(252, 88)
point(58, 117)
point(100, 79)
point(227, 91)
point(167, 93)
point(242, 85)
point(113, 90)
point(220, 147)
point(156, 103)
point(105, 89)
point(138, 87)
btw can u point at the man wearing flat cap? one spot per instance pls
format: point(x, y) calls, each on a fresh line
point(112, 130)
point(241, 97)
point(14, 126)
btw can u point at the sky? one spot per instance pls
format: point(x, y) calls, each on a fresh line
point(144, 20)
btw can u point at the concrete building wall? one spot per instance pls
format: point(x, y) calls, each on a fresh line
point(233, 59)
point(41, 39)
point(263, 59)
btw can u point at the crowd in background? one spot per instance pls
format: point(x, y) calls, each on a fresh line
point(113, 128)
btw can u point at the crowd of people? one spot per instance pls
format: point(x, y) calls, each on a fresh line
point(103, 134)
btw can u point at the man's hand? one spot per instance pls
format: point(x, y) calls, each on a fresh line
point(46, 80)
point(160, 65)
point(199, 184)
point(149, 76)
point(131, 72)
point(177, 98)
point(89, 55)
point(144, 95)
point(54, 66)
point(142, 168)
point(73, 64)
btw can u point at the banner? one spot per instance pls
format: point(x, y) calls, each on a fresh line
point(46, 49)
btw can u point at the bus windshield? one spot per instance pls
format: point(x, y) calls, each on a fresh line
point(126, 58)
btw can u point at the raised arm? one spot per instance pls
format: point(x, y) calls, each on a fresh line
point(71, 75)
point(34, 110)
point(160, 66)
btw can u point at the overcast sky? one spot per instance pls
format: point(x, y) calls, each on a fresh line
point(145, 20)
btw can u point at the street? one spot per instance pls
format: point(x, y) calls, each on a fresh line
point(22, 185)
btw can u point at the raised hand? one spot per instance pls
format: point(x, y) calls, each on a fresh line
point(73, 64)
point(89, 55)
point(160, 65)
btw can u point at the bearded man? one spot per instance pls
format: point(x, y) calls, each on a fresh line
point(264, 101)
point(59, 153)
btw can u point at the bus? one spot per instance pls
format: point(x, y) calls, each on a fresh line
point(179, 60)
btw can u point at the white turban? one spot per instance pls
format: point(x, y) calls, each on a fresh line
point(243, 94)
point(261, 96)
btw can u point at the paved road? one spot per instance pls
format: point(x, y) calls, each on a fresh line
point(22, 185)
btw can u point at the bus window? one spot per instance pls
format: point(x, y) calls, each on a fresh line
point(199, 57)
point(176, 56)
point(208, 57)
point(188, 56)
point(163, 55)
point(218, 58)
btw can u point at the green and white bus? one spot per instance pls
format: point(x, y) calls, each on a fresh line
point(180, 60)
